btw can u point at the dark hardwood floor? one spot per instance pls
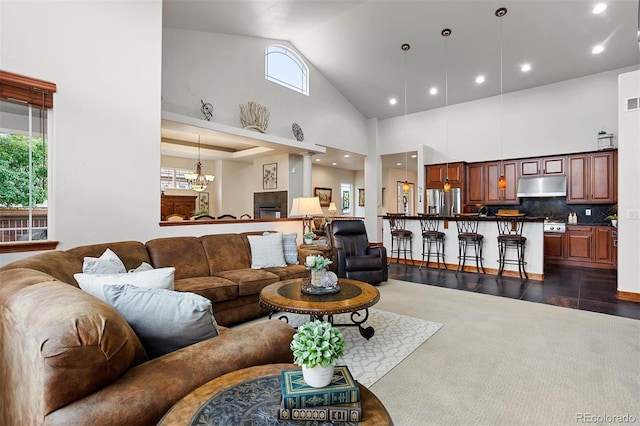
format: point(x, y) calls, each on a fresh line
point(570, 287)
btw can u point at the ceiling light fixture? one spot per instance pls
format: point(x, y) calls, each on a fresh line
point(502, 181)
point(433, 91)
point(393, 101)
point(198, 181)
point(597, 49)
point(599, 8)
point(525, 67)
point(446, 33)
point(405, 186)
point(480, 79)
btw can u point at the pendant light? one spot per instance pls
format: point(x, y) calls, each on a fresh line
point(198, 181)
point(502, 181)
point(446, 33)
point(405, 186)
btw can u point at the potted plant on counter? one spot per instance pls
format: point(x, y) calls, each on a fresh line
point(614, 220)
point(316, 346)
point(613, 216)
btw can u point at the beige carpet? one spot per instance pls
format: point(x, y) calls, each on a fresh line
point(396, 336)
point(500, 361)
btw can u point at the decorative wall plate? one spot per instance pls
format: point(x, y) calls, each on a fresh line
point(297, 132)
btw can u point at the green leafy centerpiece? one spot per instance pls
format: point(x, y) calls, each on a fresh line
point(316, 346)
point(321, 281)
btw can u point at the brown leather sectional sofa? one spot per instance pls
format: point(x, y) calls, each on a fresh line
point(68, 358)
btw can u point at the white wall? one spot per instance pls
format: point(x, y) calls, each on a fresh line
point(228, 70)
point(105, 58)
point(628, 185)
point(330, 177)
point(559, 118)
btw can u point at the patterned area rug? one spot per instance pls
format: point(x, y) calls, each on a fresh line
point(396, 337)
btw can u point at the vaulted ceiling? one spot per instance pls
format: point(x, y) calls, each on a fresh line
point(356, 44)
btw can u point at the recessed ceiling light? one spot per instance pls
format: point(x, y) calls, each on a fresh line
point(398, 164)
point(525, 67)
point(317, 159)
point(433, 91)
point(597, 49)
point(346, 156)
point(480, 79)
point(393, 101)
point(599, 8)
point(414, 156)
point(334, 164)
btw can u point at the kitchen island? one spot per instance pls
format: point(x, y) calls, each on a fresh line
point(533, 231)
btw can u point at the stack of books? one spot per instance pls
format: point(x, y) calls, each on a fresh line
point(339, 401)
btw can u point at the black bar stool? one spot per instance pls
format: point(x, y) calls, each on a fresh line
point(467, 224)
point(510, 237)
point(431, 236)
point(400, 236)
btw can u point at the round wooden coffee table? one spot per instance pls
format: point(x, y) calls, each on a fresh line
point(215, 402)
point(354, 297)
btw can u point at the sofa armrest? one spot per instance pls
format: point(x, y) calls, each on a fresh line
point(146, 392)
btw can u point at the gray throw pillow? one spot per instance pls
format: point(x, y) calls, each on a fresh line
point(290, 248)
point(164, 320)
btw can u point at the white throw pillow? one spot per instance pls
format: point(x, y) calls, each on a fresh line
point(108, 263)
point(156, 278)
point(290, 248)
point(164, 320)
point(144, 266)
point(266, 250)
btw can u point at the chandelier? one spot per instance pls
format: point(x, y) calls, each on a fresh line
point(198, 181)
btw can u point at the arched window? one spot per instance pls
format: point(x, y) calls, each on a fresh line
point(284, 67)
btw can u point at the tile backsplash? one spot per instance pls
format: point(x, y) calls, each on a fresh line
point(557, 208)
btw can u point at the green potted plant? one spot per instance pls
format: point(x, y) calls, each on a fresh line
point(316, 346)
point(308, 237)
point(613, 216)
point(318, 265)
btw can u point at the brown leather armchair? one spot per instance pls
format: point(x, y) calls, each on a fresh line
point(355, 258)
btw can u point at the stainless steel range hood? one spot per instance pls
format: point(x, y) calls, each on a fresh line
point(543, 186)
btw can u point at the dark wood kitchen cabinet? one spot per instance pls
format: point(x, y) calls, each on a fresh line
point(605, 242)
point(579, 243)
point(482, 183)
point(554, 246)
point(542, 166)
point(592, 178)
point(494, 195)
point(475, 183)
point(586, 246)
point(183, 205)
point(437, 173)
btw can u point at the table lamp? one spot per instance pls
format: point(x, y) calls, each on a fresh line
point(332, 210)
point(306, 207)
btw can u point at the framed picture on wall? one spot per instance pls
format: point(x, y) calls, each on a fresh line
point(324, 194)
point(270, 176)
point(345, 201)
point(360, 197)
point(203, 203)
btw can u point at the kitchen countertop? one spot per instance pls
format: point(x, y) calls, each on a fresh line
point(480, 218)
point(607, 224)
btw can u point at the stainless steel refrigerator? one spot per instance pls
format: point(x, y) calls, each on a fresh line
point(442, 203)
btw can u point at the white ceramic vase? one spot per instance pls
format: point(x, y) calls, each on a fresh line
point(318, 376)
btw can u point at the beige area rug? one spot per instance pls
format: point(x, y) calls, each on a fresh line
point(396, 336)
point(502, 361)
